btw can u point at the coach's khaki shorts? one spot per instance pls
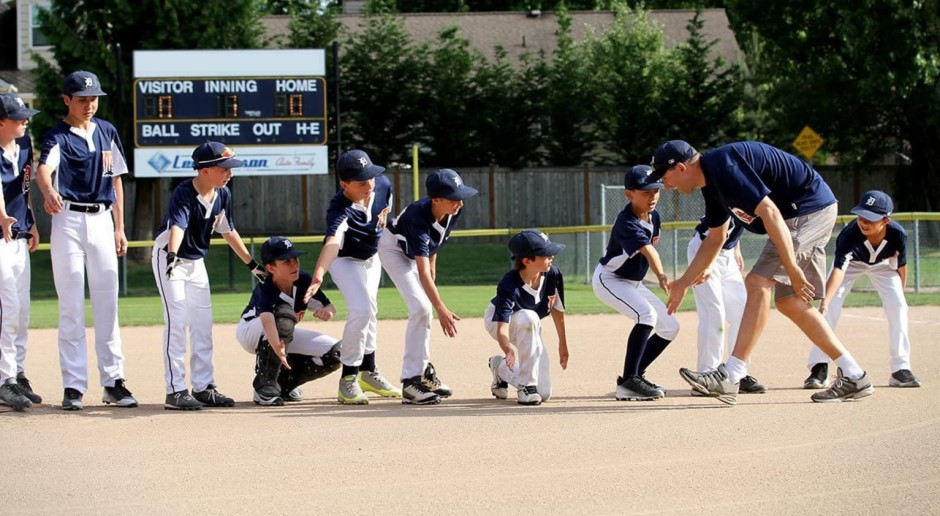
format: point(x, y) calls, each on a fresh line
point(810, 234)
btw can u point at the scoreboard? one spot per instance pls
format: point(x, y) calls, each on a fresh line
point(188, 111)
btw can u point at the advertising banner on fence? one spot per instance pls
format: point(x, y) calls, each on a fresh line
point(259, 161)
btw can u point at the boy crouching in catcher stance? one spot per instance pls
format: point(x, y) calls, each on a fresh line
point(198, 208)
point(618, 282)
point(526, 295)
point(875, 246)
point(286, 356)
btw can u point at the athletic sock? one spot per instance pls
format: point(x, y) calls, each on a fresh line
point(350, 370)
point(636, 345)
point(368, 362)
point(736, 368)
point(654, 347)
point(850, 368)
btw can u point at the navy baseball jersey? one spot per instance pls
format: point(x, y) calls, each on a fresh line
point(78, 160)
point(852, 245)
point(418, 233)
point(16, 172)
point(629, 234)
point(266, 295)
point(739, 175)
point(358, 227)
point(734, 232)
point(513, 294)
point(197, 218)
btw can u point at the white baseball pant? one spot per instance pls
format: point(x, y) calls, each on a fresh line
point(632, 299)
point(81, 241)
point(14, 306)
point(358, 281)
point(533, 364)
point(404, 273)
point(719, 303)
point(884, 277)
point(187, 303)
point(306, 342)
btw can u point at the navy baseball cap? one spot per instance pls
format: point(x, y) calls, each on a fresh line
point(874, 206)
point(668, 154)
point(215, 154)
point(278, 248)
point(446, 183)
point(13, 108)
point(532, 242)
point(82, 84)
point(355, 165)
point(639, 177)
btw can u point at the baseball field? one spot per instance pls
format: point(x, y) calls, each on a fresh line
point(580, 453)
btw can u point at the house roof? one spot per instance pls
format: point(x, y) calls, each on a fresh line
point(519, 33)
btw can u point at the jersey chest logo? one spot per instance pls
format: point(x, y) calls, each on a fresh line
point(743, 216)
point(27, 178)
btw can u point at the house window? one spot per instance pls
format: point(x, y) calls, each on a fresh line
point(37, 38)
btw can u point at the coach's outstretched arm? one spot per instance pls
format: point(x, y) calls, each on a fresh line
point(780, 235)
point(705, 256)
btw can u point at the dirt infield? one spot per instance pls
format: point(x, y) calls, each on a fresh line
point(582, 452)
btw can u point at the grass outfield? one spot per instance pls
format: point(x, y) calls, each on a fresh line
point(468, 301)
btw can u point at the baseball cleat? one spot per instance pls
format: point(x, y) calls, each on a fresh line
point(415, 392)
point(350, 393)
point(843, 389)
point(27, 389)
point(499, 387)
point(750, 385)
point(818, 377)
point(903, 378)
point(529, 395)
point(72, 400)
point(267, 396)
point(714, 384)
point(119, 395)
point(633, 388)
point(662, 391)
point(181, 401)
point(211, 397)
point(12, 396)
point(373, 381)
point(433, 383)
point(293, 395)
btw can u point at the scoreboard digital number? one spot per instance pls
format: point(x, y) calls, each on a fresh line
point(236, 111)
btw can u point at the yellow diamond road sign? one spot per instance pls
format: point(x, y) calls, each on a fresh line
point(808, 142)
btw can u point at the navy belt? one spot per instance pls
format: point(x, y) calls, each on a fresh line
point(86, 208)
point(23, 235)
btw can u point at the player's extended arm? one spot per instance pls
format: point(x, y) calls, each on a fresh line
point(902, 272)
point(52, 201)
point(559, 318)
point(328, 253)
point(780, 235)
point(502, 338)
point(234, 241)
point(117, 213)
point(270, 332)
point(433, 267)
point(447, 318)
point(652, 256)
point(832, 285)
point(706, 255)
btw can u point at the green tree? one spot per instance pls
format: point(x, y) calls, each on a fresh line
point(864, 74)
point(85, 34)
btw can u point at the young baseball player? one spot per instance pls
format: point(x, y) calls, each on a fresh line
point(80, 177)
point(355, 219)
point(719, 302)
point(526, 295)
point(773, 192)
point(876, 246)
point(409, 255)
point(286, 356)
point(20, 238)
point(618, 282)
point(198, 208)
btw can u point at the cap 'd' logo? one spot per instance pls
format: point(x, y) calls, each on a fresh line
point(544, 236)
point(287, 243)
point(870, 201)
point(88, 82)
point(457, 181)
point(20, 102)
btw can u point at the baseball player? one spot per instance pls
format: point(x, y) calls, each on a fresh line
point(526, 295)
point(80, 177)
point(198, 208)
point(618, 282)
point(719, 302)
point(876, 246)
point(409, 255)
point(286, 356)
point(20, 238)
point(773, 192)
point(355, 219)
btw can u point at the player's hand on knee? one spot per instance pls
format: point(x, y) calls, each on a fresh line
point(171, 263)
point(326, 313)
point(511, 358)
point(258, 271)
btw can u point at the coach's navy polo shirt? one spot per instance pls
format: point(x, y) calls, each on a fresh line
point(513, 294)
point(197, 218)
point(356, 226)
point(629, 234)
point(16, 172)
point(266, 295)
point(739, 175)
point(852, 245)
point(417, 231)
point(77, 158)
point(734, 232)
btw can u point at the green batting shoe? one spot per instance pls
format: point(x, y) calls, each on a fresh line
point(349, 391)
point(373, 381)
